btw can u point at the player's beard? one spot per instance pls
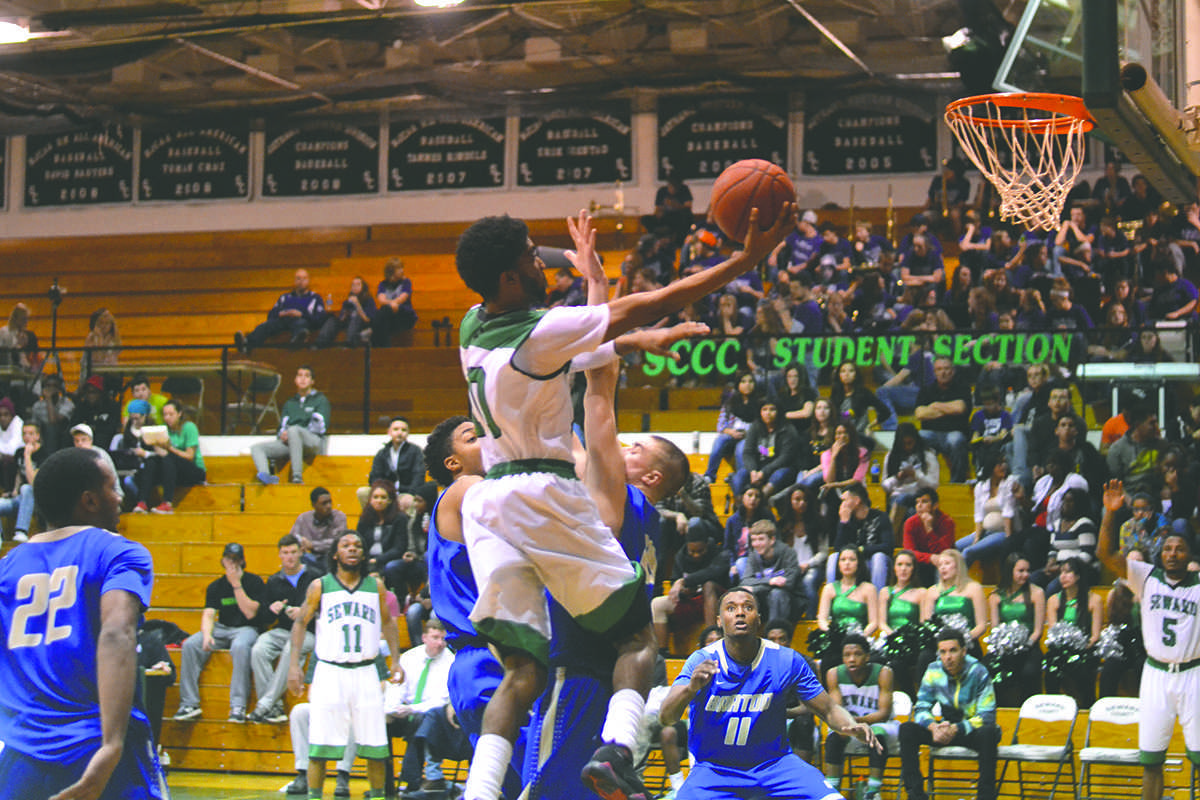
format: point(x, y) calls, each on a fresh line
point(535, 287)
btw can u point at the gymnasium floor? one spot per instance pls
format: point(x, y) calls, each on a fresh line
point(224, 786)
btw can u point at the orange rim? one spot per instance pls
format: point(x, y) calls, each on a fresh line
point(1066, 111)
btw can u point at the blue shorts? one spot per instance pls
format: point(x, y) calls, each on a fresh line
point(473, 679)
point(786, 777)
point(137, 776)
point(564, 734)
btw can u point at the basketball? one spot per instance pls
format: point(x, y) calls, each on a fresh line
point(752, 183)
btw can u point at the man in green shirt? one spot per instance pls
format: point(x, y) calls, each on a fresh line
point(303, 425)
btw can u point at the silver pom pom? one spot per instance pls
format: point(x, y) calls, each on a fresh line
point(1007, 638)
point(878, 645)
point(852, 626)
point(1066, 636)
point(958, 621)
point(1109, 644)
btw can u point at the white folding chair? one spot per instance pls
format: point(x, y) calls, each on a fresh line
point(1054, 709)
point(1106, 714)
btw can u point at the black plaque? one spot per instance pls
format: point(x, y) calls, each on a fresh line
point(698, 137)
point(79, 168)
point(869, 133)
point(573, 147)
point(3, 172)
point(321, 158)
point(431, 154)
point(201, 162)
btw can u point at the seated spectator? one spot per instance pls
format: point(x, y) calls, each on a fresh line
point(995, 516)
point(399, 462)
point(1143, 532)
point(961, 687)
point(850, 598)
point(750, 508)
point(271, 654)
point(772, 447)
point(955, 593)
point(298, 726)
point(830, 265)
point(908, 468)
point(29, 458)
point(568, 289)
point(948, 195)
point(10, 440)
point(800, 527)
point(898, 390)
point(921, 264)
point(820, 438)
point(1085, 458)
point(927, 533)
point(1018, 599)
point(318, 528)
point(1133, 458)
point(672, 209)
point(900, 604)
point(1174, 296)
point(1047, 497)
point(1076, 605)
point(701, 575)
point(843, 464)
point(295, 313)
point(128, 450)
point(1178, 495)
point(728, 319)
point(178, 463)
point(383, 528)
point(52, 414)
point(865, 690)
point(1041, 441)
point(772, 572)
point(852, 400)
point(103, 341)
point(1074, 537)
point(231, 606)
point(688, 509)
point(354, 317)
point(139, 388)
point(944, 409)
point(303, 426)
point(18, 344)
point(421, 713)
point(991, 430)
point(866, 530)
point(96, 409)
point(739, 410)
point(794, 399)
point(867, 249)
point(82, 437)
point(1111, 190)
point(793, 253)
point(393, 298)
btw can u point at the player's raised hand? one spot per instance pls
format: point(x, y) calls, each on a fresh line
point(863, 732)
point(1114, 495)
point(760, 243)
point(703, 674)
point(659, 340)
point(584, 257)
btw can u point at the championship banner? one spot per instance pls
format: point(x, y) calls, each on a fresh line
point(869, 133)
point(698, 137)
point(87, 167)
point(572, 147)
point(433, 154)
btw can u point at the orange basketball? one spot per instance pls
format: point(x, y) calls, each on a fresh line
point(752, 183)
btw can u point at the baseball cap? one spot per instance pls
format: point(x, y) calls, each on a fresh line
point(83, 427)
point(95, 382)
point(233, 550)
point(810, 217)
point(708, 237)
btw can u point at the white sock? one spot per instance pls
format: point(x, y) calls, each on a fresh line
point(488, 765)
point(625, 711)
point(676, 780)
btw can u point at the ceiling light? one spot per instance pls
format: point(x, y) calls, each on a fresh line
point(13, 33)
point(438, 3)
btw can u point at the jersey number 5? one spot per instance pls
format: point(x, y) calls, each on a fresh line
point(38, 586)
point(1169, 637)
point(479, 405)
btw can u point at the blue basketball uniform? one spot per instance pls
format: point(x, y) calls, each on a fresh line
point(475, 673)
point(568, 717)
point(737, 736)
point(49, 704)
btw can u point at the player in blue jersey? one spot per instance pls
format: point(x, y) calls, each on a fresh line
point(453, 459)
point(73, 599)
point(625, 483)
point(737, 734)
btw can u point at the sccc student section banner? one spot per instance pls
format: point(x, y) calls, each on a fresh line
point(724, 356)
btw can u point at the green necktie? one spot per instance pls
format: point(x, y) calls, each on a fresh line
point(421, 681)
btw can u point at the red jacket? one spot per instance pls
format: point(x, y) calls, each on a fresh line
point(926, 544)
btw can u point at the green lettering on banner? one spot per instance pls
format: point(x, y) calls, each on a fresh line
point(976, 352)
point(1061, 348)
point(723, 365)
point(962, 348)
point(654, 363)
point(843, 349)
point(684, 364)
point(699, 366)
point(1005, 340)
point(1035, 354)
point(943, 346)
point(783, 356)
point(820, 355)
point(802, 351)
point(866, 346)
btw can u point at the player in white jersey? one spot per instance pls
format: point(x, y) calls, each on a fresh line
point(1170, 600)
point(865, 690)
point(530, 525)
point(352, 615)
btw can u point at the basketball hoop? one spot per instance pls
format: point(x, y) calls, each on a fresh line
point(1044, 134)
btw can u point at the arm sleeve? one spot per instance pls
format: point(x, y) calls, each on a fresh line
point(379, 467)
point(803, 679)
point(909, 537)
point(130, 569)
point(689, 666)
point(559, 336)
point(601, 356)
point(1138, 572)
point(985, 704)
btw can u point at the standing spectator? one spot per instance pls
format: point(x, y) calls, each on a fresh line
point(29, 457)
point(271, 654)
point(995, 514)
point(178, 463)
point(302, 430)
point(399, 462)
point(1133, 458)
point(98, 411)
point(961, 687)
point(354, 317)
point(420, 715)
point(318, 528)
point(944, 409)
point(772, 572)
point(1018, 599)
point(296, 313)
point(384, 531)
point(865, 529)
point(771, 449)
point(231, 606)
point(394, 299)
point(928, 532)
point(738, 411)
point(701, 574)
point(865, 690)
point(103, 341)
point(52, 414)
point(10, 440)
point(908, 468)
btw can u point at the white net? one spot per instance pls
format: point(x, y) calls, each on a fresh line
point(1029, 146)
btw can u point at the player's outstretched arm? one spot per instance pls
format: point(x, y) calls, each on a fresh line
point(312, 601)
point(604, 466)
point(645, 308)
point(839, 719)
point(585, 259)
point(116, 676)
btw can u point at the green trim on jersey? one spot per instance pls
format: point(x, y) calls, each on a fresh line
point(510, 329)
point(330, 583)
point(1182, 666)
point(533, 466)
point(872, 679)
point(601, 618)
point(326, 751)
point(1190, 579)
point(516, 636)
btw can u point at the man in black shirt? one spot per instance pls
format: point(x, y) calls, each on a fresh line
point(867, 530)
point(231, 606)
point(399, 462)
point(284, 596)
point(701, 575)
point(944, 409)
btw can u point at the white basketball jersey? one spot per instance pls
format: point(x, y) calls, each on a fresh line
point(1169, 613)
point(348, 624)
point(516, 368)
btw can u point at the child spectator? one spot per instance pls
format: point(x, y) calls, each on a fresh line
point(991, 429)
